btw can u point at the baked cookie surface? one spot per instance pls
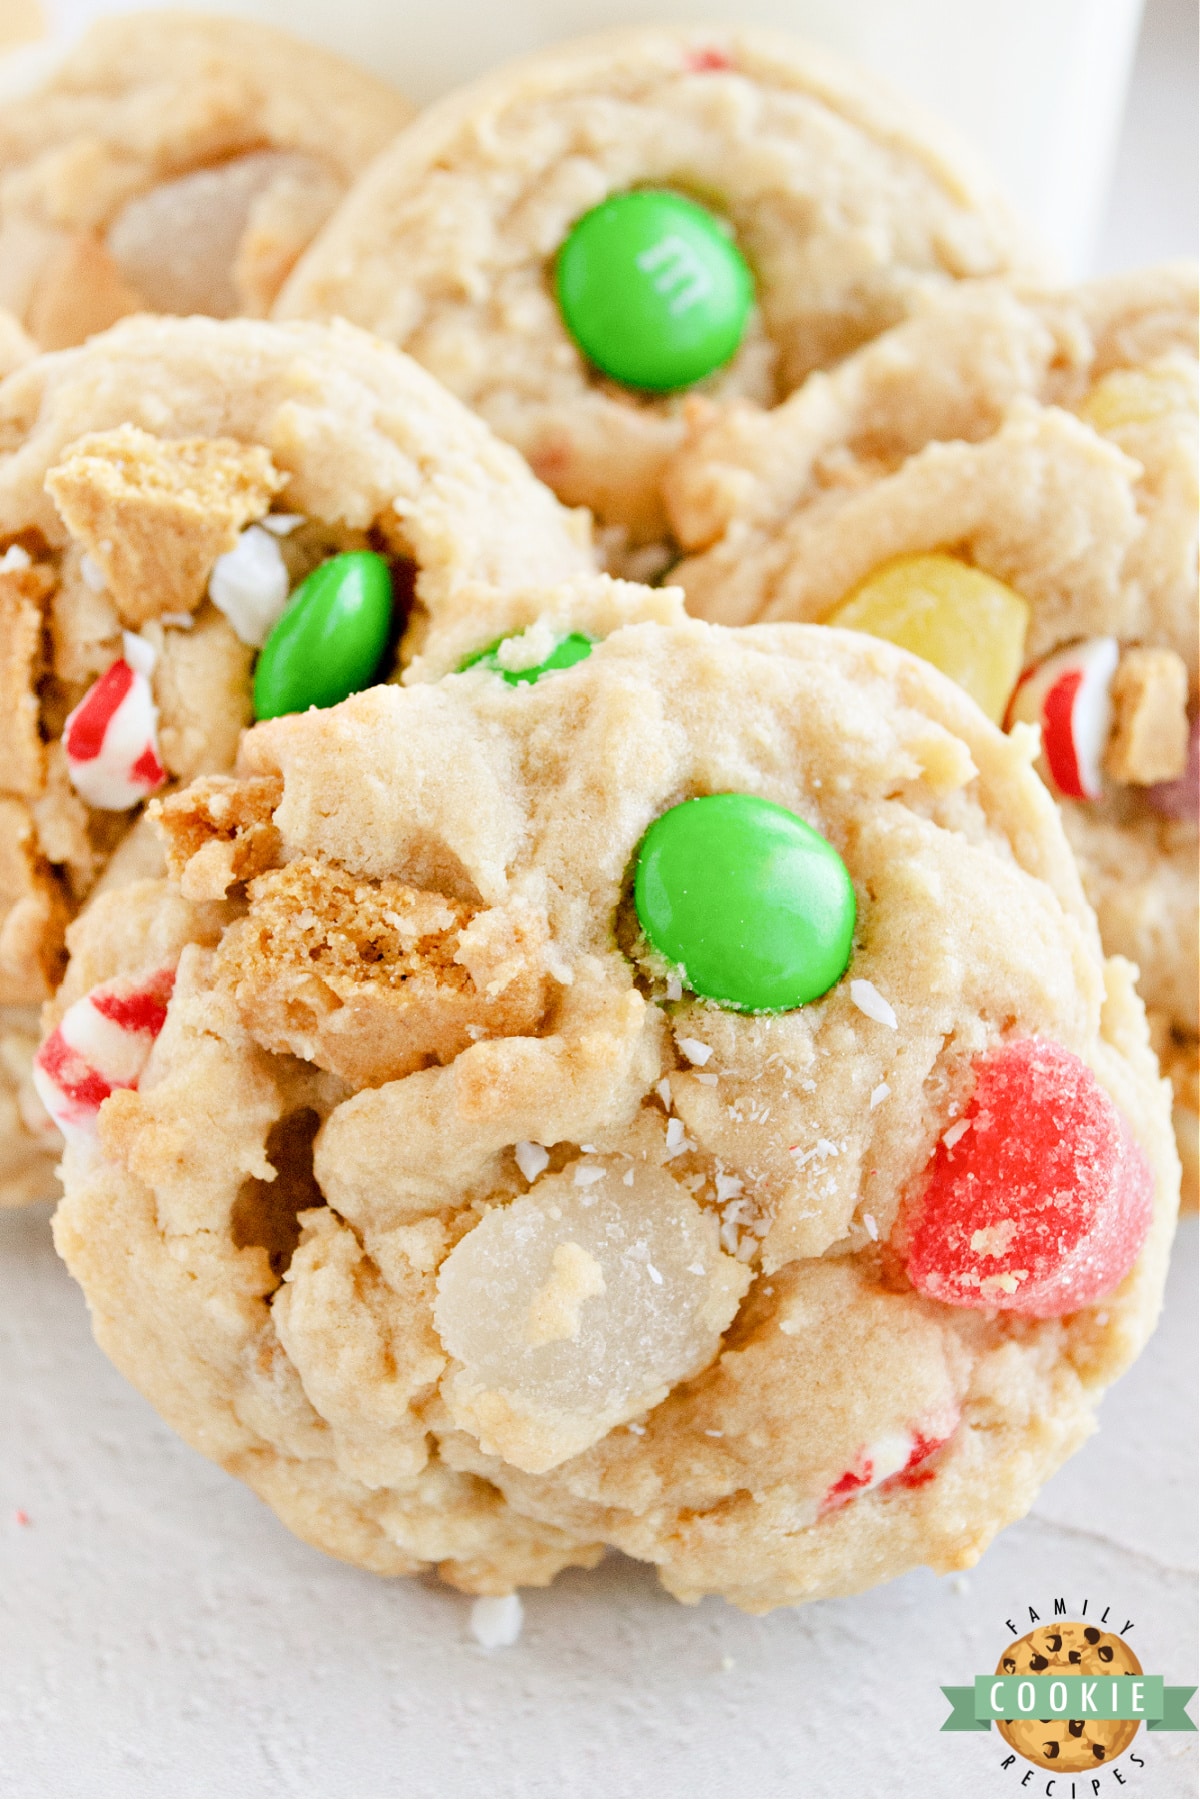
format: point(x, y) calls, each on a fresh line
point(162, 489)
point(176, 163)
point(1048, 441)
point(846, 205)
point(446, 1213)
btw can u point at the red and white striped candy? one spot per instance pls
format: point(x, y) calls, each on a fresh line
point(101, 1044)
point(896, 1456)
point(111, 738)
point(1070, 697)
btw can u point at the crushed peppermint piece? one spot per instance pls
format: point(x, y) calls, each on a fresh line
point(111, 738)
point(531, 1159)
point(694, 1050)
point(587, 1174)
point(871, 1228)
point(637, 1430)
point(663, 1090)
point(879, 1095)
point(674, 987)
point(250, 585)
point(674, 1136)
point(17, 557)
point(709, 1080)
point(496, 1620)
point(951, 1137)
point(177, 621)
point(101, 1043)
point(281, 524)
point(139, 653)
point(654, 1275)
point(728, 1186)
point(868, 999)
point(716, 1434)
point(627, 1178)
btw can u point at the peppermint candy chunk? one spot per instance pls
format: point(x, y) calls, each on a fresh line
point(101, 1043)
point(111, 738)
point(1070, 696)
point(250, 583)
point(897, 1457)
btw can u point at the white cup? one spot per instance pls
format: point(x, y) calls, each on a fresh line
point(1036, 86)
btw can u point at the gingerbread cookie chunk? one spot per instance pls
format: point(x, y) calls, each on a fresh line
point(617, 1095)
point(176, 163)
point(1007, 485)
point(163, 490)
point(576, 243)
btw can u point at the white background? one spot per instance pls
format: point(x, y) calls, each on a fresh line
point(161, 1634)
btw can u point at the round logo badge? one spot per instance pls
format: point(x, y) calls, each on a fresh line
point(1069, 1648)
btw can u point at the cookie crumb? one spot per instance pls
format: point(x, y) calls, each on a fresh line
point(496, 1620)
point(868, 999)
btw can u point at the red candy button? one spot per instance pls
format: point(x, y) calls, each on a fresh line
point(1041, 1204)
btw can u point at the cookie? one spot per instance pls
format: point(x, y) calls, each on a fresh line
point(790, 180)
point(1048, 442)
point(176, 163)
point(495, 1191)
point(1069, 1746)
point(162, 489)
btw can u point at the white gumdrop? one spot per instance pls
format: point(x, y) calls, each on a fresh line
point(576, 1307)
point(177, 244)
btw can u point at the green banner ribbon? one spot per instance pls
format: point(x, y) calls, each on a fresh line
point(962, 1716)
point(1142, 1697)
point(1175, 1715)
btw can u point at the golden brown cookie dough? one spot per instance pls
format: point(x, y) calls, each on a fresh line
point(1048, 439)
point(848, 205)
point(176, 163)
point(127, 467)
point(447, 1219)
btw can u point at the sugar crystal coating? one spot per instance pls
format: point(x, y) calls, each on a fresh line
point(1040, 1206)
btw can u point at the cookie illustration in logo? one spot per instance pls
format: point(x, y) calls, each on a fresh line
point(1069, 1648)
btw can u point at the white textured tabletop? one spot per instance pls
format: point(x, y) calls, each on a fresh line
point(161, 1634)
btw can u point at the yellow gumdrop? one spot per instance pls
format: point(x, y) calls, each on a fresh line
point(1136, 396)
point(967, 624)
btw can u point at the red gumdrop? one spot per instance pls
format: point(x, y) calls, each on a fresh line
point(1041, 1205)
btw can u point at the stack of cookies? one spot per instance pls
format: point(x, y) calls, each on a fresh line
point(599, 798)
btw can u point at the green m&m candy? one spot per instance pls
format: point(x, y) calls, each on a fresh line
point(329, 640)
point(754, 906)
point(653, 291)
point(568, 651)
